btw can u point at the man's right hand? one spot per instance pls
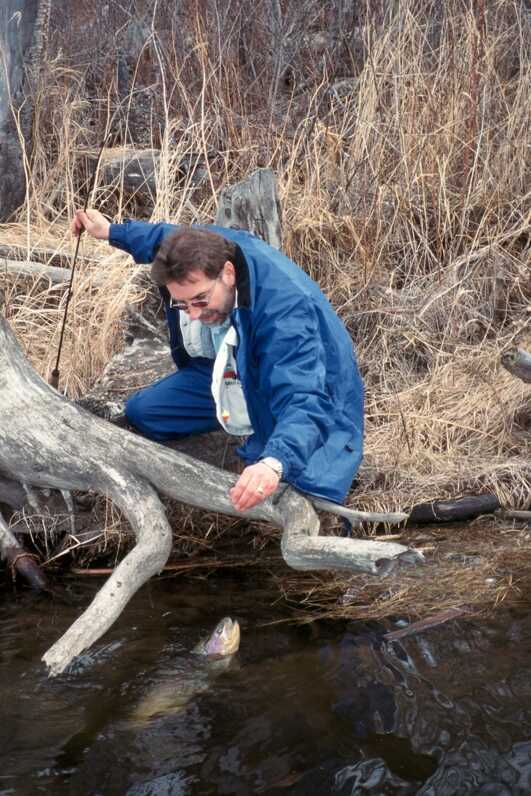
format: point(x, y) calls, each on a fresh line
point(93, 222)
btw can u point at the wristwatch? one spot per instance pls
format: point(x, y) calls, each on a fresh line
point(273, 464)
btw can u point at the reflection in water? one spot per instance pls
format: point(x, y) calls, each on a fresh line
point(307, 710)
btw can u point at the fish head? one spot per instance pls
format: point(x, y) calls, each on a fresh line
point(224, 640)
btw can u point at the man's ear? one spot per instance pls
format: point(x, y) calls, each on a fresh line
point(229, 274)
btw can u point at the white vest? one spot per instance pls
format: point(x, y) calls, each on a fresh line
point(231, 407)
point(227, 391)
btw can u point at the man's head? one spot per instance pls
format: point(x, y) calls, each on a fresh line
point(197, 267)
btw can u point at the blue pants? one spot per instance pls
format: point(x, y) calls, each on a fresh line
point(177, 405)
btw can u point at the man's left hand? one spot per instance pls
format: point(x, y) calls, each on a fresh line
point(254, 485)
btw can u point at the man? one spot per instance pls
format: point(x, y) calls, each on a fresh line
point(259, 351)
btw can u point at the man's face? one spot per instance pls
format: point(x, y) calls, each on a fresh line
point(220, 294)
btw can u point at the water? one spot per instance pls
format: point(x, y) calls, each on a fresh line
point(303, 710)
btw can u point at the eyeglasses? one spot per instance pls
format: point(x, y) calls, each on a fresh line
point(200, 303)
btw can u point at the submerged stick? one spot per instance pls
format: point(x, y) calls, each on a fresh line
point(425, 624)
point(176, 566)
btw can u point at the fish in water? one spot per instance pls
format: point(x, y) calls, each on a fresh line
point(189, 677)
point(224, 640)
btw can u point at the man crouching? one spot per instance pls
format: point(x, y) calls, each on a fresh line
point(260, 353)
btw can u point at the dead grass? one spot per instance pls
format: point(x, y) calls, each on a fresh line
point(407, 199)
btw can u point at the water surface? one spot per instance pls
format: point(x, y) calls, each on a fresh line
point(302, 710)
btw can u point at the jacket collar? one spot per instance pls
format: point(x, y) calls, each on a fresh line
point(243, 282)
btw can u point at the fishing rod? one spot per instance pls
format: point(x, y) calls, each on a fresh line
point(54, 378)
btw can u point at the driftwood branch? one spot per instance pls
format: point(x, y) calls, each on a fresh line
point(142, 507)
point(48, 441)
point(391, 518)
point(303, 548)
point(518, 363)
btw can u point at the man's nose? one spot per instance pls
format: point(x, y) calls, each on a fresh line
point(194, 312)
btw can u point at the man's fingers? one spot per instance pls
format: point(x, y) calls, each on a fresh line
point(254, 485)
point(243, 493)
point(251, 490)
point(76, 225)
point(93, 222)
point(237, 490)
point(80, 222)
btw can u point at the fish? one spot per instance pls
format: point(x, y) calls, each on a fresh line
point(192, 675)
point(223, 641)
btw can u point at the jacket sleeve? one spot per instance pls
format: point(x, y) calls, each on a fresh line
point(139, 238)
point(291, 363)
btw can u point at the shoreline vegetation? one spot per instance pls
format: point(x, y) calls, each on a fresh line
point(399, 137)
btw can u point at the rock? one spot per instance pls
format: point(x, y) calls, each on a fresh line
point(135, 171)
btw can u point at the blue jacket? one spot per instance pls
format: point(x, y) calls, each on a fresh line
point(295, 360)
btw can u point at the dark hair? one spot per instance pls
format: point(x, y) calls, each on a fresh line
point(189, 249)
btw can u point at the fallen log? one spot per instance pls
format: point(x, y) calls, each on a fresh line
point(55, 274)
point(518, 363)
point(457, 510)
point(48, 441)
point(18, 252)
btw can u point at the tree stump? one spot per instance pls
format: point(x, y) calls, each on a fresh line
point(253, 205)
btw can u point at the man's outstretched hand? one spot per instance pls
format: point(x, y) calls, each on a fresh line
point(93, 222)
point(254, 485)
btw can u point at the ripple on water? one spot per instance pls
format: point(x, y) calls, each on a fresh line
point(306, 711)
